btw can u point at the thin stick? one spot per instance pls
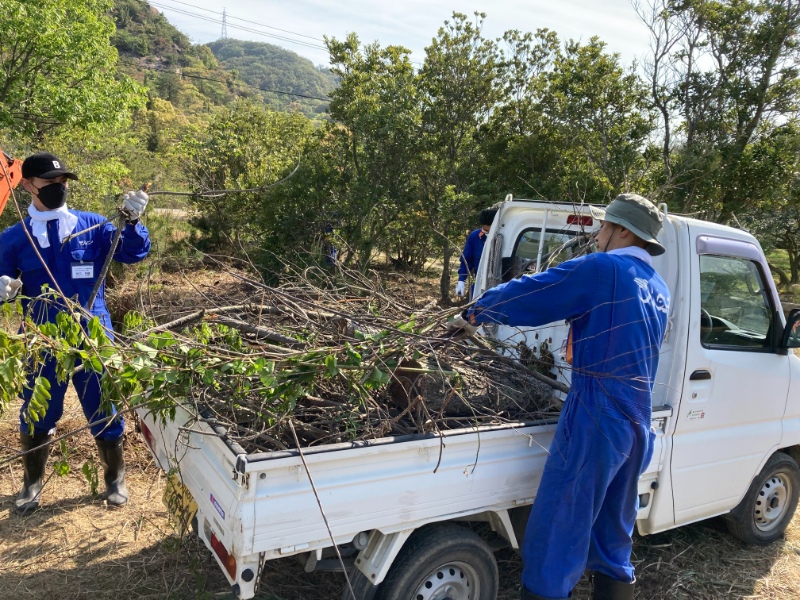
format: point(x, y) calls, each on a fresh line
point(322, 512)
point(106, 264)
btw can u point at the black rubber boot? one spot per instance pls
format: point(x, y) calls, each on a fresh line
point(34, 464)
point(608, 588)
point(526, 595)
point(113, 471)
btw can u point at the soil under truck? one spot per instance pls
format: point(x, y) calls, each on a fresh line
point(726, 411)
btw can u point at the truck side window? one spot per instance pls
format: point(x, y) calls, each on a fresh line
point(734, 305)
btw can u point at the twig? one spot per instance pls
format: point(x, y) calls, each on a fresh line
point(321, 510)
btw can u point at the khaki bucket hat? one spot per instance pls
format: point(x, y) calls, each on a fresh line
point(640, 216)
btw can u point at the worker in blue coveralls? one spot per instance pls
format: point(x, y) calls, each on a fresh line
point(74, 265)
point(473, 249)
point(585, 508)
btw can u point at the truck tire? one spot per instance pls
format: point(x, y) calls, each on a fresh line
point(442, 561)
point(769, 504)
point(362, 587)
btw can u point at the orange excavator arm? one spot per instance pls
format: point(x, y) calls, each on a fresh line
point(10, 176)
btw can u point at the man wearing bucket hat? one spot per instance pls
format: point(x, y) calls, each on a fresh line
point(74, 262)
point(585, 508)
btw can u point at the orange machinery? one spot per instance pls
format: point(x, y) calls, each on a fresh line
point(10, 176)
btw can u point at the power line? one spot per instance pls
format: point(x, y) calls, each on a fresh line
point(256, 87)
point(248, 29)
point(416, 62)
point(242, 84)
point(240, 27)
point(248, 21)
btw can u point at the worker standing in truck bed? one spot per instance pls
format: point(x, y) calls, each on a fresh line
point(585, 508)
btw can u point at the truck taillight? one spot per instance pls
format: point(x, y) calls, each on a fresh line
point(148, 437)
point(580, 220)
point(227, 559)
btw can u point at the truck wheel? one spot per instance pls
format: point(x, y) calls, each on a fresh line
point(441, 562)
point(768, 507)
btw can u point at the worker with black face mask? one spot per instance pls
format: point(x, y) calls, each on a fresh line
point(42, 251)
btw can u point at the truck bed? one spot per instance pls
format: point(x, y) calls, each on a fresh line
point(263, 503)
point(261, 506)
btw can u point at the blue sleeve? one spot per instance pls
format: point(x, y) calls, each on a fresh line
point(566, 291)
point(466, 259)
point(8, 255)
point(134, 245)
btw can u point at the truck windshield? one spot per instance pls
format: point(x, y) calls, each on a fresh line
point(735, 308)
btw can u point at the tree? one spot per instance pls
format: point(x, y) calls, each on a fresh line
point(723, 74)
point(377, 106)
point(771, 171)
point(460, 84)
point(245, 147)
point(573, 124)
point(57, 67)
point(602, 112)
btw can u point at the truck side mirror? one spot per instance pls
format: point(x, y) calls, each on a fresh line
point(791, 333)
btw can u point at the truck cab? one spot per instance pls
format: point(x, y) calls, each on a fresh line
point(727, 393)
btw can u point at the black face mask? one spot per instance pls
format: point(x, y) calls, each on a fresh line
point(53, 196)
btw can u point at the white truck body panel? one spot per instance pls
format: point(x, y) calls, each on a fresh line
point(262, 506)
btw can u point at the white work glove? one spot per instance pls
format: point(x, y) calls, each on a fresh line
point(135, 203)
point(8, 288)
point(461, 288)
point(459, 328)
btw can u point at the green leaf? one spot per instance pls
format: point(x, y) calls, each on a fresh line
point(151, 352)
point(331, 364)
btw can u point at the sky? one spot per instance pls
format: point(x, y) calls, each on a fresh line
point(409, 23)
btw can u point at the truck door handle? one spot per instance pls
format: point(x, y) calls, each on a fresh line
point(699, 375)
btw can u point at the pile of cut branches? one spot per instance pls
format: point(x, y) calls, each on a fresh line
point(334, 352)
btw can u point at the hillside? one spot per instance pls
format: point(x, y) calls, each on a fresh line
point(271, 67)
point(192, 78)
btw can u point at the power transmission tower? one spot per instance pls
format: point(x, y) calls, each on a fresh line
point(224, 35)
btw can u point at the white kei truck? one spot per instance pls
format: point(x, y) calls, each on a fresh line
point(726, 411)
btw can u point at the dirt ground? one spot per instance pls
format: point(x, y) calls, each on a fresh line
point(75, 547)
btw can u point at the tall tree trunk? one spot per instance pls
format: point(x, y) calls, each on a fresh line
point(791, 250)
point(444, 283)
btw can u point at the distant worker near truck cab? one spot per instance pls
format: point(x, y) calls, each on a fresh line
point(473, 250)
point(617, 305)
point(75, 264)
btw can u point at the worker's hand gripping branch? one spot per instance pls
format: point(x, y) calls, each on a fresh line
point(134, 204)
point(8, 288)
point(459, 329)
point(461, 288)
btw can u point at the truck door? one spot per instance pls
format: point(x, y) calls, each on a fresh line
point(735, 385)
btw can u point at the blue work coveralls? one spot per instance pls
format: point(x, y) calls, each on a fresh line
point(585, 509)
point(18, 259)
point(471, 256)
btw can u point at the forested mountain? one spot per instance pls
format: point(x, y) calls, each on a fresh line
point(195, 78)
point(271, 67)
